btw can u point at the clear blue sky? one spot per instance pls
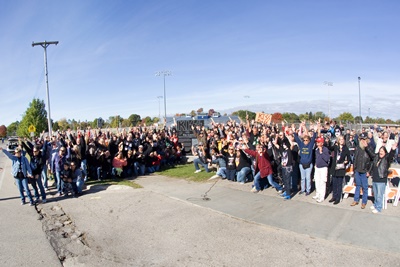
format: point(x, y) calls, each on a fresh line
point(277, 52)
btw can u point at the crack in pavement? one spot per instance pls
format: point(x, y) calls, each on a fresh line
point(68, 242)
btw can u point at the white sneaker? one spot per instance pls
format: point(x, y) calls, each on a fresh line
point(197, 171)
point(254, 190)
point(320, 200)
point(375, 211)
point(314, 197)
point(214, 177)
point(372, 207)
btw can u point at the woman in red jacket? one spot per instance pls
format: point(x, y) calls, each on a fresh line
point(263, 170)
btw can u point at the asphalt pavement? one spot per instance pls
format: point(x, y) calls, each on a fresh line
point(173, 222)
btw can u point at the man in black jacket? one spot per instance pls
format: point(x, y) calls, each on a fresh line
point(362, 162)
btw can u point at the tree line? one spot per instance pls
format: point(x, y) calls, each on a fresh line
point(36, 115)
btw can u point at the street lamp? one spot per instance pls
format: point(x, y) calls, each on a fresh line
point(164, 73)
point(329, 97)
point(359, 98)
point(45, 44)
point(159, 106)
point(247, 97)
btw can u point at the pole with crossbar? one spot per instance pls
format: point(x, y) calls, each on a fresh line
point(164, 73)
point(45, 44)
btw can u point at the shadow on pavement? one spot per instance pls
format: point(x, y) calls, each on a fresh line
point(8, 198)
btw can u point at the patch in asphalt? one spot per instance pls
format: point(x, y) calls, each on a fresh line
point(67, 241)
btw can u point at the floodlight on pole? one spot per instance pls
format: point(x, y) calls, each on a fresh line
point(329, 97)
point(164, 73)
point(45, 44)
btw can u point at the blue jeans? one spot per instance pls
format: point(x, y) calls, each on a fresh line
point(150, 169)
point(79, 185)
point(139, 169)
point(22, 185)
point(261, 183)
point(273, 183)
point(379, 190)
point(230, 175)
point(84, 169)
point(306, 178)
point(99, 173)
point(361, 182)
point(241, 175)
point(60, 182)
point(35, 184)
point(196, 163)
point(44, 176)
point(222, 172)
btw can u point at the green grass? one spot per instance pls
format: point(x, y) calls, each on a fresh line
point(187, 172)
point(125, 182)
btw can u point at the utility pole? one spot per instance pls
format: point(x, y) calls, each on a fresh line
point(246, 96)
point(359, 99)
point(164, 73)
point(329, 98)
point(45, 44)
point(159, 106)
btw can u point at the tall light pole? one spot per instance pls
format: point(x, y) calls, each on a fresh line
point(329, 97)
point(247, 97)
point(45, 44)
point(359, 98)
point(164, 73)
point(159, 106)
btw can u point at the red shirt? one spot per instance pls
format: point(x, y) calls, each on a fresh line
point(263, 163)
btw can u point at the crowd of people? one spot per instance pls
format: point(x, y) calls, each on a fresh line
point(71, 158)
point(295, 160)
point(292, 160)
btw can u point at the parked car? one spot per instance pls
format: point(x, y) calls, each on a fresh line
point(12, 144)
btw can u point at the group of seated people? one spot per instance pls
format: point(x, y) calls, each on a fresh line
point(289, 158)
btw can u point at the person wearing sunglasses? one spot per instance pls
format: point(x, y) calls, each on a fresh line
point(21, 170)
